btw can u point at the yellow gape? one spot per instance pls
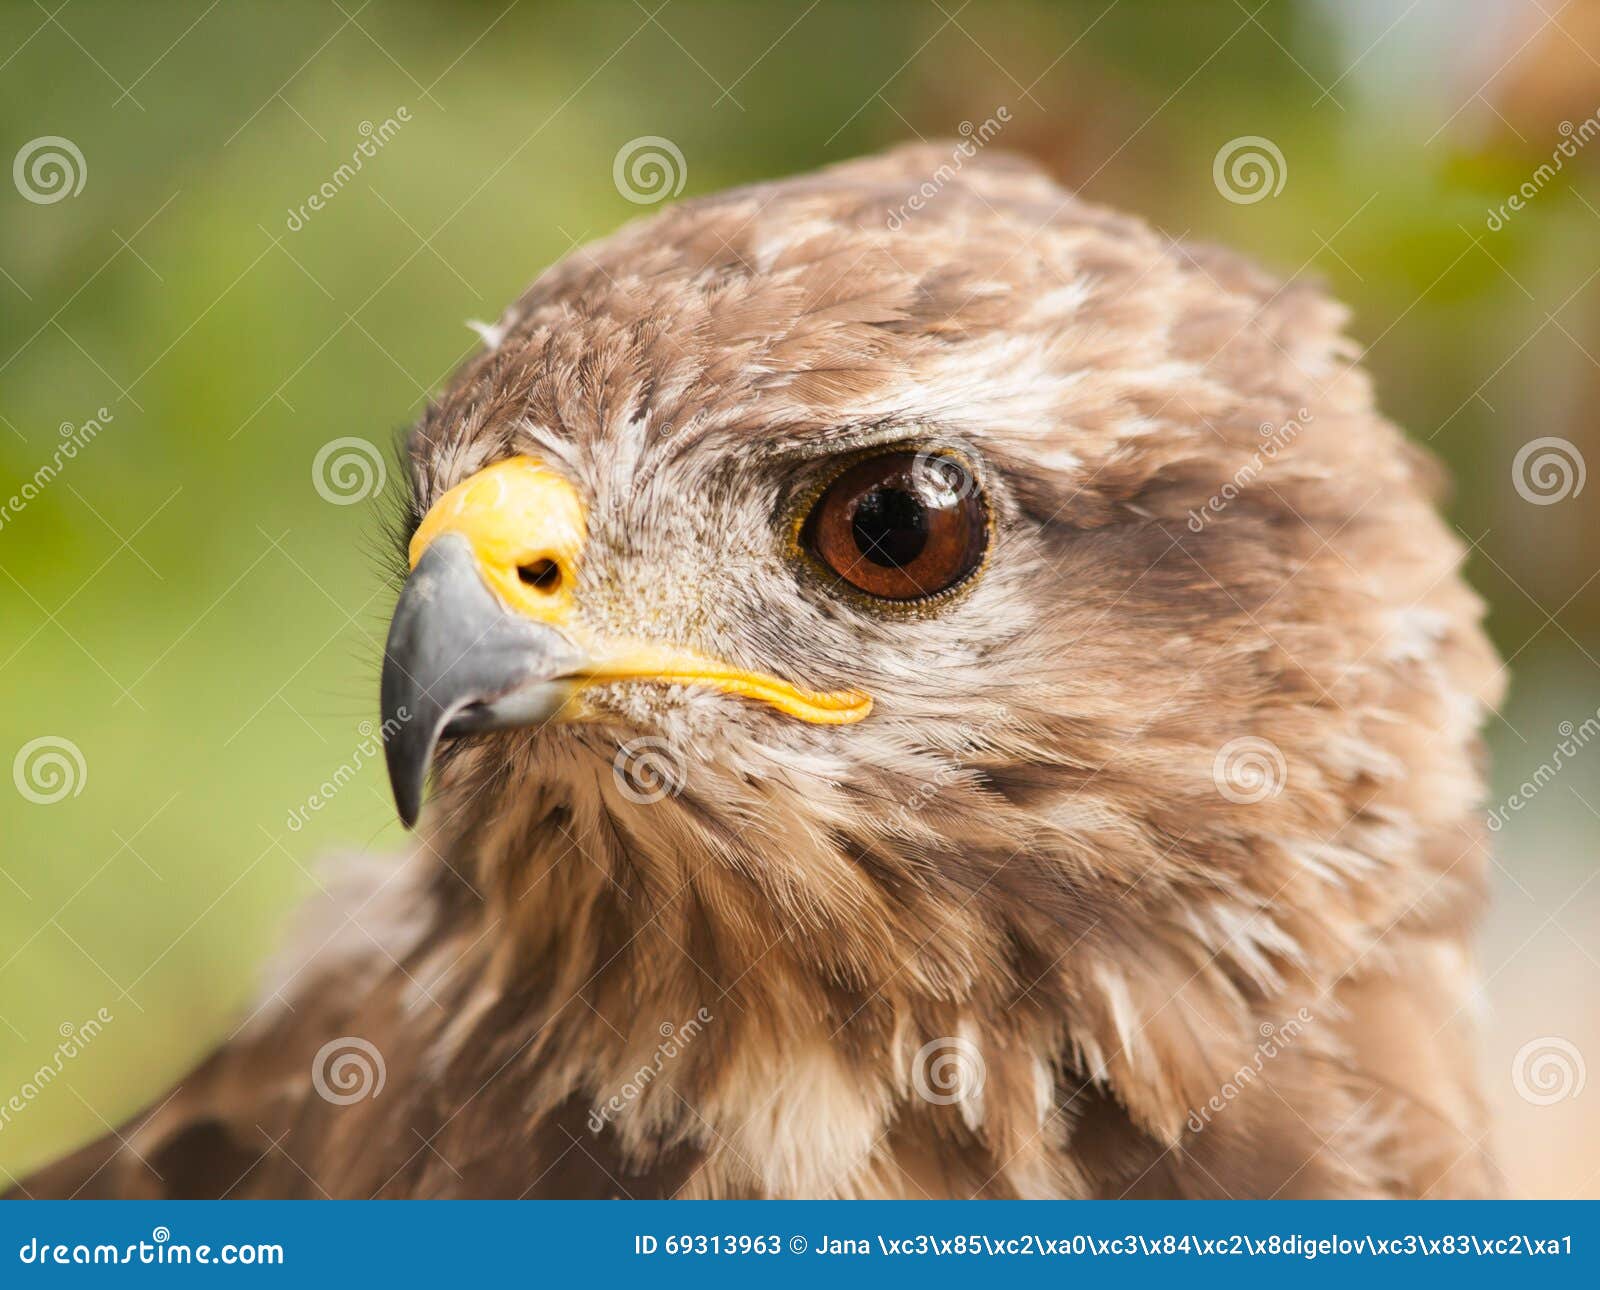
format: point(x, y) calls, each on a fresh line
point(525, 524)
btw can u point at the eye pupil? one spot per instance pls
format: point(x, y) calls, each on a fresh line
point(890, 527)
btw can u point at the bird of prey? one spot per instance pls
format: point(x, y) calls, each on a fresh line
point(958, 699)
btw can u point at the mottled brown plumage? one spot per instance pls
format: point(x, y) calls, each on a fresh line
point(1038, 849)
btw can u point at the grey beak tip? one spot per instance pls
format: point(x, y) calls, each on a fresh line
point(408, 803)
point(408, 753)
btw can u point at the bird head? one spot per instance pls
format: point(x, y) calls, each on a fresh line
point(923, 569)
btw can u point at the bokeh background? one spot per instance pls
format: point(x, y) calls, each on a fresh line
point(192, 604)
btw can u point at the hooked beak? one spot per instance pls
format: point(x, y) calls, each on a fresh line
point(456, 662)
point(486, 634)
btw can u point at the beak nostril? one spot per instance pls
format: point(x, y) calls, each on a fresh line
point(543, 575)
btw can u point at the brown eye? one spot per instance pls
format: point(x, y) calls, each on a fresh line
point(902, 526)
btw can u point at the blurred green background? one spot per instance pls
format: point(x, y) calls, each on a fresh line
point(184, 607)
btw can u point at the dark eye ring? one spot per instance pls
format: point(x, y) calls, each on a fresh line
point(900, 526)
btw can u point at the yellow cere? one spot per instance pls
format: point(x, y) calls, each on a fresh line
point(518, 513)
point(515, 513)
